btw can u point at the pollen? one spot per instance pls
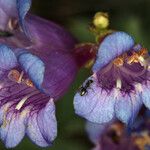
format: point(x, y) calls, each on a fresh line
point(133, 59)
point(143, 52)
point(118, 62)
point(142, 141)
point(18, 77)
point(28, 83)
point(138, 57)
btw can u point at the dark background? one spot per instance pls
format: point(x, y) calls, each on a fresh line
point(131, 16)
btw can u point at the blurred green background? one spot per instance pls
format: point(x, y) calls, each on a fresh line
point(75, 15)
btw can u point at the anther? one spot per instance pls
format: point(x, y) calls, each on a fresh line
point(143, 52)
point(133, 59)
point(142, 140)
point(118, 62)
point(14, 75)
point(28, 83)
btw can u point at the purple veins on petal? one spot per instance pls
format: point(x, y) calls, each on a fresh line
point(112, 46)
point(41, 67)
point(42, 127)
point(49, 42)
point(20, 106)
point(12, 130)
point(94, 102)
point(120, 87)
point(59, 74)
point(127, 107)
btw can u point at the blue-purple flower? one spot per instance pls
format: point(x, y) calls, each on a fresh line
point(119, 84)
point(116, 136)
point(37, 65)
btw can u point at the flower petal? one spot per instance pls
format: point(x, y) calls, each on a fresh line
point(48, 36)
point(13, 129)
point(33, 66)
point(23, 7)
point(4, 20)
point(96, 105)
point(9, 6)
point(59, 73)
point(7, 59)
point(42, 128)
point(127, 107)
point(7, 10)
point(95, 130)
point(112, 46)
point(146, 95)
point(26, 110)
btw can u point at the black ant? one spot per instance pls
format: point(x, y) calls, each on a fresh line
point(83, 89)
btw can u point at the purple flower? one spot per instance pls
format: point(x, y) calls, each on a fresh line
point(111, 137)
point(119, 84)
point(116, 136)
point(37, 65)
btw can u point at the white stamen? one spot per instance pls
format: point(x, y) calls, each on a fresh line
point(20, 104)
point(10, 24)
point(142, 61)
point(138, 87)
point(118, 84)
point(20, 78)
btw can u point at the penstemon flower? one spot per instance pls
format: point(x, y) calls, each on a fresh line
point(116, 136)
point(119, 84)
point(38, 62)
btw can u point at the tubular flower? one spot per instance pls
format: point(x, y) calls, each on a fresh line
point(116, 136)
point(37, 65)
point(119, 84)
point(112, 137)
